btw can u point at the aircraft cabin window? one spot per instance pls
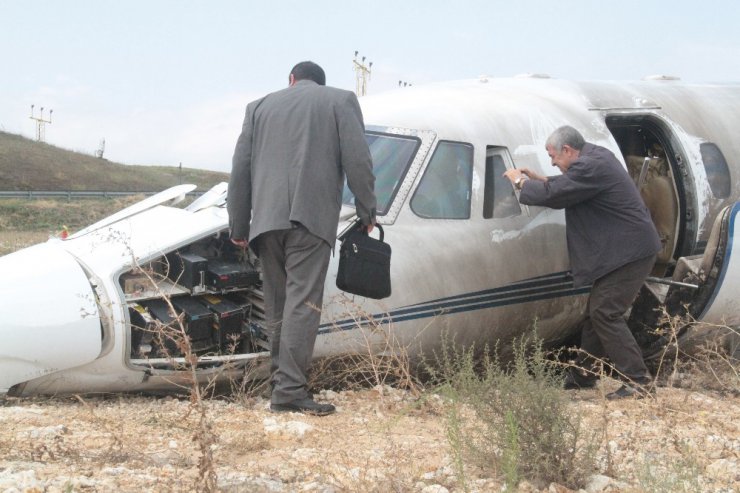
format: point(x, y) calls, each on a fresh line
point(392, 155)
point(718, 174)
point(444, 190)
point(499, 200)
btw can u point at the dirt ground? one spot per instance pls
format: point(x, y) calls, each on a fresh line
point(380, 440)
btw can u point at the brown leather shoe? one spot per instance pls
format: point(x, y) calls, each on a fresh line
point(305, 406)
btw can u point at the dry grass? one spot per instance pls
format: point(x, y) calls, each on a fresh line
point(10, 241)
point(513, 420)
point(376, 358)
point(49, 216)
point(203, 434)
point(387, 440)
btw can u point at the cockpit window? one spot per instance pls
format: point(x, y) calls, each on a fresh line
point(444, 190)
point(718, 174)
point(392, 155)
point(499, 200)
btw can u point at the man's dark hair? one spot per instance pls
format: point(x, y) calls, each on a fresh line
point(310, 71)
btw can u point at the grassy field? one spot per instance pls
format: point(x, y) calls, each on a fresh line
point(25, 222)
point(29, 165)
point(51, 214)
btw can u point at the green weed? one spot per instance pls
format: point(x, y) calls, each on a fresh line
point(512, 419)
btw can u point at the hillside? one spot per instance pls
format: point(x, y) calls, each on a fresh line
point(29, 165)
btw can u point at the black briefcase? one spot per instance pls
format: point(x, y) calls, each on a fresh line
point(364, 264)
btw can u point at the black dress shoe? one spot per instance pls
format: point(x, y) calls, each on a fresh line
point(574, 380)
point(634, 390)
point(306, 406)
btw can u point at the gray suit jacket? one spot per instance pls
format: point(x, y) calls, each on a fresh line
point(291, 158)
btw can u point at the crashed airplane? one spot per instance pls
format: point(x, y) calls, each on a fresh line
point(81, 314)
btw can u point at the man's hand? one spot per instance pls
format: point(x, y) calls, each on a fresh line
point(533, 175)
point(517, 175)
point(513, 175)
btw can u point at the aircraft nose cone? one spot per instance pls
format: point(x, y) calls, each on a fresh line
point(49, 318)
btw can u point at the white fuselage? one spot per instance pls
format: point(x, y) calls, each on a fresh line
point(476, 279)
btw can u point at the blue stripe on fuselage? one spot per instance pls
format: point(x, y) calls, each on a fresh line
point(726, 261)
point(555, 285)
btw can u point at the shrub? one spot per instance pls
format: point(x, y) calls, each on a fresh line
point(513, 419)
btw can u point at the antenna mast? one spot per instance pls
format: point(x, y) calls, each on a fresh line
point(41, 123)
point(362, 74)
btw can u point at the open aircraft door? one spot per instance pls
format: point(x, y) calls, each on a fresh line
point(723, 271)
point(706, 287)
point(50, 318)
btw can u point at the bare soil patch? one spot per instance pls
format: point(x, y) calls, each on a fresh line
point(380, 440)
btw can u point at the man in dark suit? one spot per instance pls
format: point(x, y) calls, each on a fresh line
point(284, 198)
point(612, 244)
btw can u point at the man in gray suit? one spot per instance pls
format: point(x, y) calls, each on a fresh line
point(284, 198)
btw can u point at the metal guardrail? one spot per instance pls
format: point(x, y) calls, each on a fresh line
point(70, 194)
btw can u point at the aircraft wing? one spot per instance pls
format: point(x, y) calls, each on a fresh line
point(172, 195)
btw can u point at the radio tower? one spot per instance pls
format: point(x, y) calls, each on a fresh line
point(41, 123)
point(362, 74)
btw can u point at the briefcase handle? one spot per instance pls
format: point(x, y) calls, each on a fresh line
point(358, 226)
point(380, 228)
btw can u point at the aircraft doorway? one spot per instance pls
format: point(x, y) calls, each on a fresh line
point(654, 160)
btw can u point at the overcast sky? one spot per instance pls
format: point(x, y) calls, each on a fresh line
point(166, 82)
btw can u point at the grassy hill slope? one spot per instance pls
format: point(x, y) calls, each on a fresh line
point(29, 165)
